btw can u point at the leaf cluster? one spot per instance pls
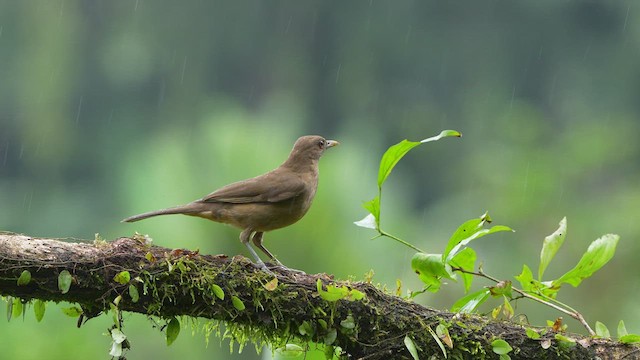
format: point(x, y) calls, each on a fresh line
point(458, 261)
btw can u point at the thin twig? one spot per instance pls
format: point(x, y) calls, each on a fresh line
point(384, 233)
point(574, 314)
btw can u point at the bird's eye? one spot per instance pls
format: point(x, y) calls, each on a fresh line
point(321, 144)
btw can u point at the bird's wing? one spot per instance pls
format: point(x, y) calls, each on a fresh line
point(266, 188)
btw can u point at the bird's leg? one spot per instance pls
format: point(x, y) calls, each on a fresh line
point(257, 241)
point(244, 238)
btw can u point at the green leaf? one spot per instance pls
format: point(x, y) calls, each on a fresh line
point(500, 347)
point(399, 150)
point(507, 309)
point(39, 308)
point(326, 295)
point(217, 291)
point(525, 278)
point(122, 277)
point(348, 322)
point(305, 329)
point(64, 281)
point(443, 334)
point(355, 295)
point(17, 308)
point(532, 334)
point(463, 231)
point(443, 134)
point(550, 246)
point(630, 339)
point(535, 287)
point(391, 158)
point(73, 311)
point(470, 230)
point(335, 293)
point(564, 342)
point(173, 330)
point(331, 336)
point(373, 206)
point(465, 259)
point(438, 341)
point(290, 351)
point(133, 293)
point(598, 254)
point(115, 314)
point(602, 330)
point(237, 303)
point(496, 311)
point(329, 352)
point(478, 234)
point(501, 288)
point(388, 161)
point(469, 302)
point(25, 278)
point(622, 330)
point(411, 346)
point(430, 269)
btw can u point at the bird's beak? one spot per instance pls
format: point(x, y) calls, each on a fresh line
point(332, 143)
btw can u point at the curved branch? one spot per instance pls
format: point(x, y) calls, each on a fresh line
point(182, 283)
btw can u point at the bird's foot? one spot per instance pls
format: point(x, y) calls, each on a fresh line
point(260, 264)
point(280, 266)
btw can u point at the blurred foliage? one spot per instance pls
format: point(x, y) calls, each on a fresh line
point(109, 108)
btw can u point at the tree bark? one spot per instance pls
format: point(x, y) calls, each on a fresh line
point(184, 283)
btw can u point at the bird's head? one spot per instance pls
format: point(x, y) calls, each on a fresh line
point(310, 147)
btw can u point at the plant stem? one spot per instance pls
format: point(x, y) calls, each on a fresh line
point(384, 233)
point(574, 314)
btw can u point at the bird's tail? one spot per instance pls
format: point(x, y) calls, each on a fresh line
point(183, 209)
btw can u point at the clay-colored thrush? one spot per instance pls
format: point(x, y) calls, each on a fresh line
point(267, 202)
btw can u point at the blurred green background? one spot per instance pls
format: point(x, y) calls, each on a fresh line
point(111, 108)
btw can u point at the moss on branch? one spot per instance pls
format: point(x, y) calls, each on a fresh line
point(171, 283)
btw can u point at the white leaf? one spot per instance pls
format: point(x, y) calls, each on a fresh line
point(368, 222)
point(118, 336)
point(116, 350)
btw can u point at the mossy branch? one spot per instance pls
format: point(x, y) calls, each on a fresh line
point(185, 283)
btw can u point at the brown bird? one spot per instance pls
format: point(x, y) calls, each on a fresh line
point(267, 202)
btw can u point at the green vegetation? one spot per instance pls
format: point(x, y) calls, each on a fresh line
point(460, 259)
point(180, 277)
point(112, 108)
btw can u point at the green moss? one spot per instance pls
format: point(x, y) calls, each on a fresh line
point(167, 280)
